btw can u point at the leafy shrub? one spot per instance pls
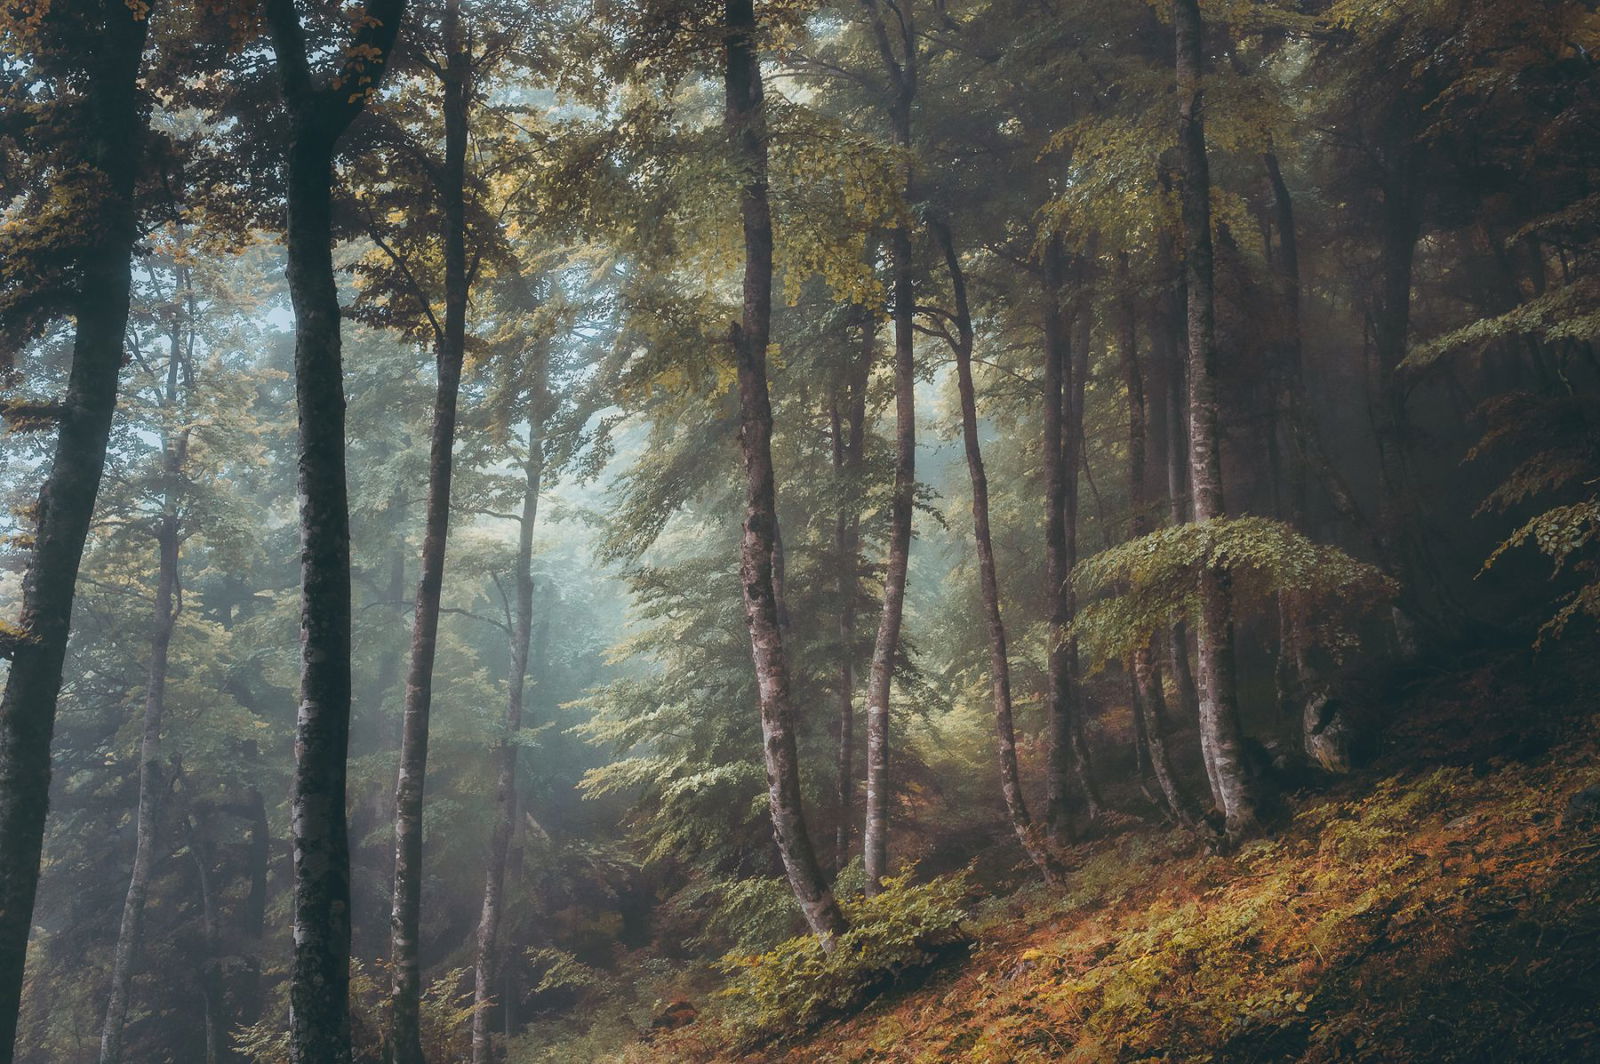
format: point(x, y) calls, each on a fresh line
point(799, 983)
point(1144, 584)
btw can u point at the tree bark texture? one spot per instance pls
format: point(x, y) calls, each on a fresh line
point(1220, 734)
point(115, 125)
point(319, 978)
point(747, 135)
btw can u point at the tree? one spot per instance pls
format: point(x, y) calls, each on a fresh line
point(102, 146)
point(900, 60)
point(455, 70)
point(319, 113)
point(746, 130)
point(152, 771)
point(999, 663)
point(1220, 734)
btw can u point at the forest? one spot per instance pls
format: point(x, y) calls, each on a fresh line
point(560, 531)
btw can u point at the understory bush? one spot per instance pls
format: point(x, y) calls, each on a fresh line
point(900, 930)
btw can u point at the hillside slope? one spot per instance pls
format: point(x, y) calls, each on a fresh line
point(1441, 906)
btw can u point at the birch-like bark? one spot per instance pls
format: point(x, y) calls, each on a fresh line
point(901, 70)
point(746, 127)
point(1221, 737)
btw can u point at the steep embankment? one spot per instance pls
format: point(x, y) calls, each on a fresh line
point(1442, 906)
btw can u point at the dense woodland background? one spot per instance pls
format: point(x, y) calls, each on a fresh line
point(530, 513)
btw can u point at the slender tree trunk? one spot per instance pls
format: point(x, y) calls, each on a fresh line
point(1221, 737)
point(210, 973)
point(253, 917)
point(1028, 834)
point(848, 418)
point(405, 1030)
point(1068, 752)
point(506, 748)
point(746, 127)
point(901, 72)
point(152, 775)
point(1149, 701)
point(1290, 671)
point(1171, 311)
point(1400, 226)
point(116, 123)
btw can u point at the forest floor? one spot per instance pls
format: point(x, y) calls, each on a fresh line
point(1441, 905)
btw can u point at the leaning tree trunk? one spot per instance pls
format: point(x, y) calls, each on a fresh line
point(114, 143)
point(1027, 832)
point(901, 73)
point(405, 996)
point(1149, 700)
point(1221, 737)
point(319, 975)
point(152, 776)
point(506, 748)
point(745, 123)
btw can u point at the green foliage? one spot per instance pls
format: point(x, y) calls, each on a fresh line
point(1560, 448)
point(1147, 583)
point(894, 932)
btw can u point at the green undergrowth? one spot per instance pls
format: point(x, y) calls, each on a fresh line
point(1440, 913)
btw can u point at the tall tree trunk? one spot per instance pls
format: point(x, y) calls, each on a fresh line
point(1291, 668)
point(1171, 315)
point(1221, 737)
point(1068, 767)
point(209, 975)
point(1027, 832)
point(253, 914)
point(405, 997)
point(848, 422)
point(1399, 227)
point(152, 775)
point(319, 977)
point(506, 747)
point(746, 127)
point(115, 131)
point(901, 72)
point(1149, 700)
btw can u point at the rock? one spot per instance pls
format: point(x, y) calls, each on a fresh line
point(678, 1014)
point(1328, 734)
point(1583, 807)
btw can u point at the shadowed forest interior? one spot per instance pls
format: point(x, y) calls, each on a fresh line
point(789, 530)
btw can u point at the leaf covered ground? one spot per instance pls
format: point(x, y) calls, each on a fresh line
point(1439, 906)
